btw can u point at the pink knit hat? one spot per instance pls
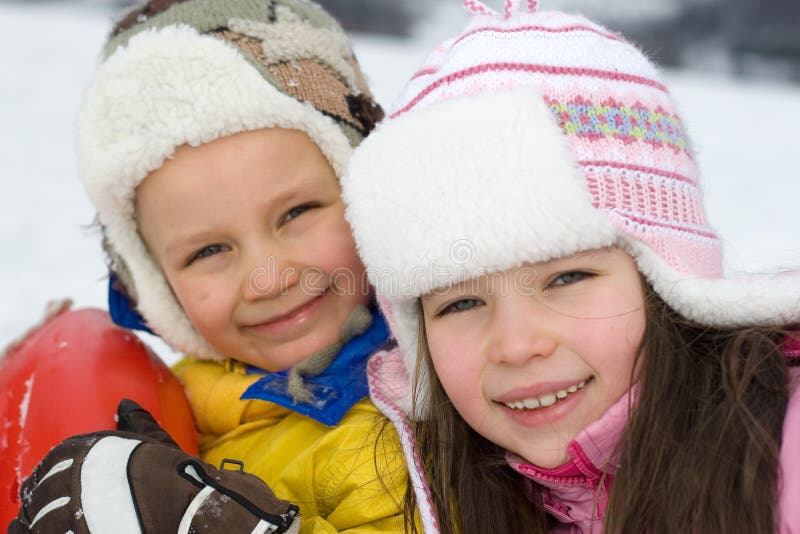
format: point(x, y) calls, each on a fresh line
point(530, 136)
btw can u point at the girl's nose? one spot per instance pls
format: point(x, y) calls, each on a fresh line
point(268, 275)
point(521, 329)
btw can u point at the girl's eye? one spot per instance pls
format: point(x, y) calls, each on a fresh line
point(205, 252)
point(297, 211)
point(459, 306)
point(569, 278)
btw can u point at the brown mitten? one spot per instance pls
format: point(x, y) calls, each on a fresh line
point(136, 480)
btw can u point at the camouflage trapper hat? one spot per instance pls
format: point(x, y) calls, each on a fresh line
point(187, 72)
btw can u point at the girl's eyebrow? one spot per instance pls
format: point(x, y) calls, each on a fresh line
point(427, 296)
point(579, 256)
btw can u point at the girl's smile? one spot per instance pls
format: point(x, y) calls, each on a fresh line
point(535, 410)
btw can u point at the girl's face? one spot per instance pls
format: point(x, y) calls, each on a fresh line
point(531, 356)
point(249, 231)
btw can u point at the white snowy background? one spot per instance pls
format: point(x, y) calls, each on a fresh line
point(746, 133)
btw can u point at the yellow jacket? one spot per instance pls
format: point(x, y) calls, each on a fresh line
point(348, 478)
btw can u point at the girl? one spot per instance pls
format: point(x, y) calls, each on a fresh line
point(572, 357)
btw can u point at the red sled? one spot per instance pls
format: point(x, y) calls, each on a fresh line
point(67, 377)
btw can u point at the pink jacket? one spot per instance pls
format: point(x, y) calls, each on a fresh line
point(789, 499)
point(577, 492)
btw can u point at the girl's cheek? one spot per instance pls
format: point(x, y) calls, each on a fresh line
point(453, 354)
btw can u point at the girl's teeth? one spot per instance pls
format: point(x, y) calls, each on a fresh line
point(545, 400)
point(530, 404)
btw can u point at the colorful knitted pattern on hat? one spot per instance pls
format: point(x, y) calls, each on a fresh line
point(610, 102)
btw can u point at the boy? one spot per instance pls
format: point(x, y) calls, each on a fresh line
point(211, 142)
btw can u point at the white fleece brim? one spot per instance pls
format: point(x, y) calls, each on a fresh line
point(166, 88)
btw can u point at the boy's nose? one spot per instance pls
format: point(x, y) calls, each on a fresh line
point(268, 276)
point(521, 329)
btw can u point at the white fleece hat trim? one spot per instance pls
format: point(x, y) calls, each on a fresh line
point(203, 89)
point(422, 183)
point(756, 299)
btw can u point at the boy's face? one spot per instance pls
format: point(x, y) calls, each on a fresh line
point(249, 231)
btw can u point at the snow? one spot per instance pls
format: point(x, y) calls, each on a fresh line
point(744, 132)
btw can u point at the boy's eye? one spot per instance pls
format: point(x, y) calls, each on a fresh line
point(459, 306)
point(297, 211)
point(569, 278)
point(205, 252)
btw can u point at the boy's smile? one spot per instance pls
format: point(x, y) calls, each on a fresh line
point(294, 318)
point(250, 233)
point(532, 366)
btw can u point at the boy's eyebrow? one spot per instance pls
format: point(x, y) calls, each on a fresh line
point(294, 186)
point(187, 241)
point(287, 195)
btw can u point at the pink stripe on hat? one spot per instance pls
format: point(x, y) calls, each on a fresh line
point(575, 28)
point(478, 70)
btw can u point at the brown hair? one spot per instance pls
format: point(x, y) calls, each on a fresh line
point(700, 452)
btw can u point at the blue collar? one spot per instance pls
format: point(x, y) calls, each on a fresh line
point(337, 388)
point(121, 309)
